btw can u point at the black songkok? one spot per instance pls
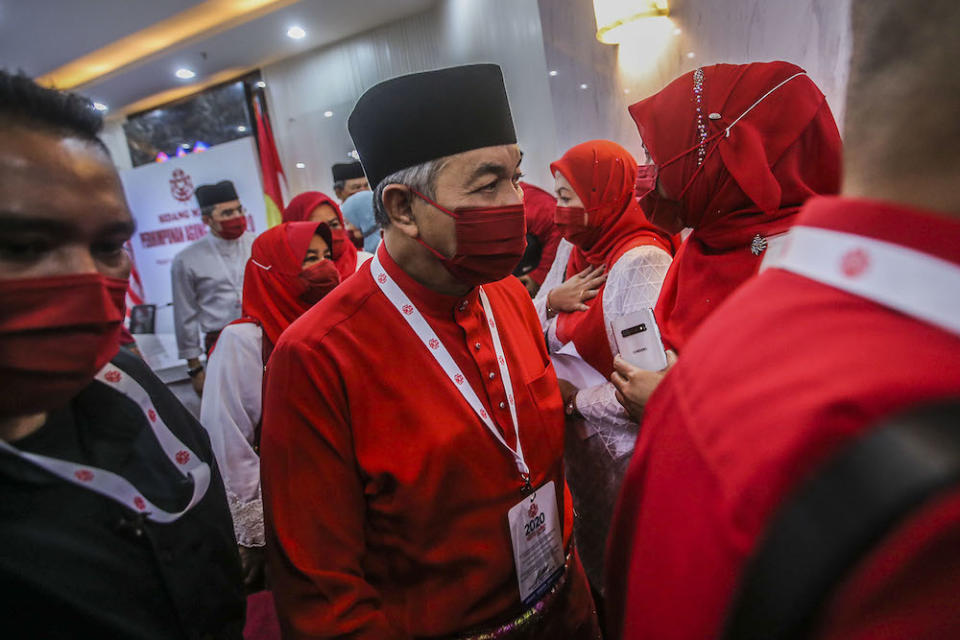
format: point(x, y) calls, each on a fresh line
point(211, 194)
point(347, 171)
point(406, 121)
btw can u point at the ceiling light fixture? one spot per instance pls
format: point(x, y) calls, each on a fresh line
point(99, 106)
point(328, 114)
point(553, 73)
point(615, 17)
point(297, 33)
point(691, 55)
point(300, 165)
point(184, 74)
point(261, 84)
point(584, 85)
point(242, 128)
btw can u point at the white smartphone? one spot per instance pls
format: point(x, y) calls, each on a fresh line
point(638, 340)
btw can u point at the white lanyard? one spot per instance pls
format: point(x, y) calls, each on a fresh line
point(912, 282)
point(435, 347)
point(238, 289)
point(117, 487)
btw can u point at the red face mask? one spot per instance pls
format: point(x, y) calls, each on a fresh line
point(666, 214)
point(56, 333)
point(490, 242)
point(576, 227)
point(339, 237)
point(318, 280)
point(233, 228)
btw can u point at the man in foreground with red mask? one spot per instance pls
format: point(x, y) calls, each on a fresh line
point(412, 449)
point(114, 519)
point(857, 318)
point(207, 276)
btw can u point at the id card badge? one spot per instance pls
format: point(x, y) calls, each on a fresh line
point(537, 542)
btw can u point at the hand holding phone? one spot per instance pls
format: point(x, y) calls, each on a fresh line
point(638, 340)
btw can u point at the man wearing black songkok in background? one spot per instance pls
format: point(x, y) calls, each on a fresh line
point(412, 448)
point(348, 179)
point(207, 276)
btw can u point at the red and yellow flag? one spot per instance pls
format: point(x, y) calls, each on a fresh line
point(270, 165)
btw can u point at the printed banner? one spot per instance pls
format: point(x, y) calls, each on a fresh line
point(166, 212)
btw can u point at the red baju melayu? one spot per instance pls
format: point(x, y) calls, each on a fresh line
point(789, 370)
point(386, 497)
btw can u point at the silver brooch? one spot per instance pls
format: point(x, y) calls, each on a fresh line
point(701, 125)
point(758, 245)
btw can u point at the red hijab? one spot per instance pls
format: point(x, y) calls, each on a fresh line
point(271, 287)
point(603, 175)
point(769, 142)
point(343, 250)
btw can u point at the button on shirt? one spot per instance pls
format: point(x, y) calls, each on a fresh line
point(207, 280)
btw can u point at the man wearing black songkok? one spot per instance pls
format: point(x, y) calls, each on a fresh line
point(412, 448)
point(207, 276)
point(348, 179)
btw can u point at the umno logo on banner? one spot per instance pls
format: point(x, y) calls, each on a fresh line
point(181, 186)
point(163, 202)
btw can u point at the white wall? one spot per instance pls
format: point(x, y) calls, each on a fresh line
point(331, 78)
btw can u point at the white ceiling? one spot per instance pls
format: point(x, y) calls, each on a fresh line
point(39, 36)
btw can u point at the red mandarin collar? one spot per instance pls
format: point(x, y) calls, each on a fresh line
point(429, 302)
point(929, 232)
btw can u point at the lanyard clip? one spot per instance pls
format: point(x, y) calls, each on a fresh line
point(527, 487)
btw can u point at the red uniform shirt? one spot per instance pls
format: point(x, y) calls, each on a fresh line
point(785, 372)
point(385, 496)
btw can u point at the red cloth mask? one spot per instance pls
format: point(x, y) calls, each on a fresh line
point(739, 148)
point(56, 333)
point(318, 280)
point(344, 252)
point(490, 242)
point(574, 223)
point(233, 228)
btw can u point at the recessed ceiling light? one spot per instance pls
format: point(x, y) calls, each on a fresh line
point(584, 85)
point(184, 146)
point(677, 31)
point(300, 165)
point(184, 74)
point(691, 55)
point(242, 128)
point(626, 90)
point(99, 106)
point(296, 33)
point(553, 73)
point(261, 84)
point(328, 114)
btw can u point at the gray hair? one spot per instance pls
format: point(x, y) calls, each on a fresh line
point(422, 177)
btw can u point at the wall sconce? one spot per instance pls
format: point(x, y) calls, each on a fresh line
point(616, 17)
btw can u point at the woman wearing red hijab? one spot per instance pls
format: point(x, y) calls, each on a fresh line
point(313, 206)
point(604, 230)
point(288, 271)
point(737, 150)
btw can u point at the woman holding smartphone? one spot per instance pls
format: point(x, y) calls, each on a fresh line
point(611, 262)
